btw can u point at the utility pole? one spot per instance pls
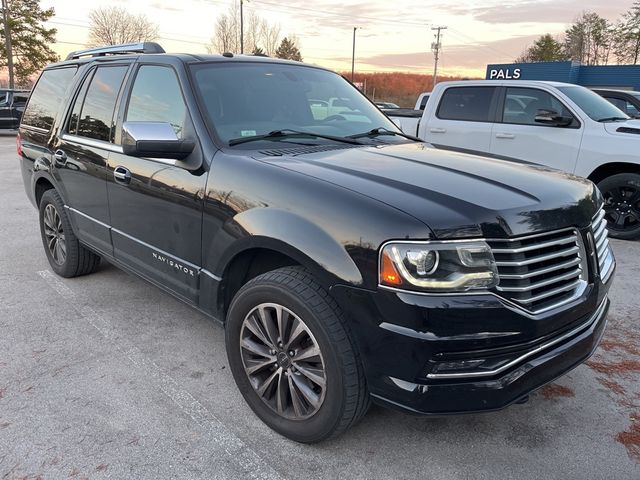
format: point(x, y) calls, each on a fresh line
point(435, 48)
point(241, 27)
point(353, 54)
point(7, 38)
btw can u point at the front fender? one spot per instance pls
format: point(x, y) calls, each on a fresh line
point(292, 235)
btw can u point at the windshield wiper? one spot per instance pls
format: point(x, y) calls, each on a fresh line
point(376, 132)
point(287, 133)
point(612, 119)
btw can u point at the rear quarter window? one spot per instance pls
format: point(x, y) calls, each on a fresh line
point(48, 95)
point(471, 104)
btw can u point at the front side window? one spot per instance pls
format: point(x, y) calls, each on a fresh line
point(471, 104)
point(95, 117)
point(252, 99)
point(156, 97)
point(521, 105)
point(47, 97)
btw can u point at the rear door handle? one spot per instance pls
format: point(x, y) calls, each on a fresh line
point(438, 130)
point(506, 136)
point(60, 157)
point(122, 174)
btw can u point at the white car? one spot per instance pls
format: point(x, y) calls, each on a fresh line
point(563, 126)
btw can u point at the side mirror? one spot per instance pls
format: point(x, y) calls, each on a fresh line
point(154, 140)
point(552, 118)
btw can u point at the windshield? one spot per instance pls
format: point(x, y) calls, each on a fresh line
point(593, 104)
point(251, 99)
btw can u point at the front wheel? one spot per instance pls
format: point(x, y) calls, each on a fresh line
point(621, 194)
point(67, 257)
point(292, 358)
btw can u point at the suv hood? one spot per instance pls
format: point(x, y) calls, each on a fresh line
point(628, 127)
point(455, 194)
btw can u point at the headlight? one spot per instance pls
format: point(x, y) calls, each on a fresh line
point(438, 266)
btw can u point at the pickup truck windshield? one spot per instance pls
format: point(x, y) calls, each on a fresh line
point(244, 100)
point(593, 104)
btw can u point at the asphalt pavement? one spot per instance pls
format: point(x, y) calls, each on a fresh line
point(106, 376)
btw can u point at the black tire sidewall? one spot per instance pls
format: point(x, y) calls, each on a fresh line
point(69, 267)
point(325, 421)
point(615, 181)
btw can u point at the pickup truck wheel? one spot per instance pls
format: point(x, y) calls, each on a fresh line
point(621, 194)
point(67, 257)
point(292, 358)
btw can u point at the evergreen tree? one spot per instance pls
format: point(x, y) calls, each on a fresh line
point(30, 39)
point(288, 50)
point(545, 49)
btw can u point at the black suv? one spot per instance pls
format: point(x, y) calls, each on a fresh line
point(11, 107)
point(347, 262)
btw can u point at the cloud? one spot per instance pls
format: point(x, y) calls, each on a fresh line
point(548, 11)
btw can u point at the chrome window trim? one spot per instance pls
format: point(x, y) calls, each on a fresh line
point(597, 315)
point(90, 142)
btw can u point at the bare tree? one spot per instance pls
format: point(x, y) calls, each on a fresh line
point(258, 33)
point(114, 26)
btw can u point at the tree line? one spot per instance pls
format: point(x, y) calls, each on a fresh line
point(591, 40)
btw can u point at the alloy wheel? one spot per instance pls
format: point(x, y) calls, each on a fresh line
point(54, 234)
point(283, 361)
point(622, 207)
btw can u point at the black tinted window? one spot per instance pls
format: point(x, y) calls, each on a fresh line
point(522, 104)
point(471, 104)
point(156, 97)
point(96, 116)
point(47, 97)
point(72, 126)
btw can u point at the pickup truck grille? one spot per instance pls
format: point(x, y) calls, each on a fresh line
point(602, 248)
point(541, 272)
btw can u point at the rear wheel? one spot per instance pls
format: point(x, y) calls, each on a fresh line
point(292, 358)
point(621, 194)
point(67, 257)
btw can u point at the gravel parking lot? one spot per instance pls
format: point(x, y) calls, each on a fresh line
point(106, 376)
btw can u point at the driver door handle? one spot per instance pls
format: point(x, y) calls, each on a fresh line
point(506, 136)
point(122, 174)
point(438, 130)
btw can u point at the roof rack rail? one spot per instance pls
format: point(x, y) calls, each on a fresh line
point(143, 47)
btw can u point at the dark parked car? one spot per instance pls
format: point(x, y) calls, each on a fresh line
point(347, 263)
point(12, 104)
point(625, 100)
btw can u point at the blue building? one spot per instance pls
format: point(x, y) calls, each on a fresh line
point(623, 77)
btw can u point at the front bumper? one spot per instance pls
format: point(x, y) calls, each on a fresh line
point(404, 339)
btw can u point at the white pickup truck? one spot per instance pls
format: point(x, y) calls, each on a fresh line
point(563, 126)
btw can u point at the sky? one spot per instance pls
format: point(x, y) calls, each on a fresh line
point(391, 35)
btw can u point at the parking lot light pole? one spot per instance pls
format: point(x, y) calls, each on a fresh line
point(241, 27)
point(353, 54)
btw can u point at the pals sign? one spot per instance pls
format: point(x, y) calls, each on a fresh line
point(504, 74)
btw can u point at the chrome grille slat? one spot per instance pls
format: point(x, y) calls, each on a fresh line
point(537, 246)
point(543, 283)
point(541, 271)
point(603, 249)
point(540, 258)
point(549, 293)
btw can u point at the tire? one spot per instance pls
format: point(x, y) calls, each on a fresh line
point(67, 257)
point(344, 398)
point(621, 193)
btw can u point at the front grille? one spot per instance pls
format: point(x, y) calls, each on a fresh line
point(602, 248)
point(541, 272)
